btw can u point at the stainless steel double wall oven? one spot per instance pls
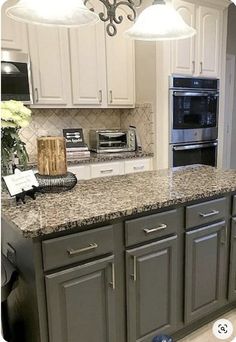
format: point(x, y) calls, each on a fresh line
point(194, 107)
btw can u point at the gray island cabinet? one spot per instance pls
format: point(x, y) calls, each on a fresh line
point(124, 259)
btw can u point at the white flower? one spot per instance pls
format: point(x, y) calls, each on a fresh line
point(14, 114)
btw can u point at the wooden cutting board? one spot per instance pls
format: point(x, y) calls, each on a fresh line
point(52, 156)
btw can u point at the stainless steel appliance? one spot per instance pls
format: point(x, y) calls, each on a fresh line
point(195, 153)
point(15, 77)
point(194, 106)
point(112, 140)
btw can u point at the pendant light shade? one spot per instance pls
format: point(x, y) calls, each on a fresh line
point(160, 21)
point(68, 13)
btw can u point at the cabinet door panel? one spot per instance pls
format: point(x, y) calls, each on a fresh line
point(81, 303)
point(151, 289)
point(184, 49)
point(13, 34)
point(50, 65)
point(232, 271)
point(120, 66)
point(209, 37)
point(205, 270)
point(88, 64)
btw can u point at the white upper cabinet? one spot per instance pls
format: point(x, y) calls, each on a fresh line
point(14, 34)
point(200, 55)
point(183, 56)
point(50, 65)
point(208, 40)
point(88, 65)
point(120, 66)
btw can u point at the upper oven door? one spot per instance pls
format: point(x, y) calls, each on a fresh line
point(194, 115)
point(15, 77)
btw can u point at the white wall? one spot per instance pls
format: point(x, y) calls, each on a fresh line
point(231, 49)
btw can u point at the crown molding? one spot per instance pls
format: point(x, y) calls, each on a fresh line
point(216, 3)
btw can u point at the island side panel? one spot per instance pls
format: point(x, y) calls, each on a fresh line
point(26, 303)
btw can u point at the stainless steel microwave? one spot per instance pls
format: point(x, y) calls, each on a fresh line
point(112, 140)
point(16, 77)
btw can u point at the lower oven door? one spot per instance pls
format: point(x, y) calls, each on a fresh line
point(188, 154)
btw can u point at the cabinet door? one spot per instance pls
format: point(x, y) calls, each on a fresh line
point(120, 66)
point(151, 289)
point(80, 302)
point(183, 56)
point(14, 34)
point(205, 270)
point(88, 64)
point(208, 40)
point(50, 65)
point(232, 272)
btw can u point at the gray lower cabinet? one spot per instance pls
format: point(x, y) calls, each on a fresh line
point(232, 270)
point(151, 289)
point(81, 303)
point(205, 270)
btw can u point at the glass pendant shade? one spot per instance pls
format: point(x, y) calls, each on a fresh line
point(160, 21)
point(68, 13)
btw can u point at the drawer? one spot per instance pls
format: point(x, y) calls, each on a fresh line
point(137, 165)
point(73, 248)
point(206, 212)
point(107, 169)
point(153, 226)
point(81, 171)
point(234, 206)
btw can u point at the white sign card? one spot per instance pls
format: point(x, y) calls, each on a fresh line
point(20, 181)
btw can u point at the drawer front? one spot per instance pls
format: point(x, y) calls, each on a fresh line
point(205, 212)
point(77, 247)
point(151, 227)
point(234, 206)
point(138, 165)
point(81, 171)
point(107, 169)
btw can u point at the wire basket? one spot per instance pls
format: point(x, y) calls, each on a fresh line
point(56, 183)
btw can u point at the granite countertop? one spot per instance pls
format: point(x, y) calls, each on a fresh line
point(104, 157)
point(102, 199)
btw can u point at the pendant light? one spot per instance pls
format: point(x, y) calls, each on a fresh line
point(160, 21)
point(66, 13)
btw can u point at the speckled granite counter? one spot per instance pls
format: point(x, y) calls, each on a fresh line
point(105, 157)
point(102, 199)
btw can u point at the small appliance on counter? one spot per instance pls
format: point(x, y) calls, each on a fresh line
point(113, 140)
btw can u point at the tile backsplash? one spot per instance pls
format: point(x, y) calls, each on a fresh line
point(52, 121)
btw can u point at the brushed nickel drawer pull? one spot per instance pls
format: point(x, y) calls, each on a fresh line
point(150, 231)
point(224, 233)
point(111, 96)
point(134, 275)
point(100, 96)
point(193, 63)
point(107, 171)
point(212, 213)
point(113, 274)
point(141, 167)
point(91, 247)
point(36, 95)
point(201, 67)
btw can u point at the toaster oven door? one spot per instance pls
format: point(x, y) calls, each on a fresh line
point(113, 140)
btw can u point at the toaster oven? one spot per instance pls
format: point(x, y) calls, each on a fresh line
point(112, 140)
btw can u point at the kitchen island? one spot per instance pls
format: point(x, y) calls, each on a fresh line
point(124, 258)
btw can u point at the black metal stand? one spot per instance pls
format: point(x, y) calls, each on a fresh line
point(31, 193)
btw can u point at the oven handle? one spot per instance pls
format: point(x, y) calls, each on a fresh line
point(193, 147)
point(189, 93)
